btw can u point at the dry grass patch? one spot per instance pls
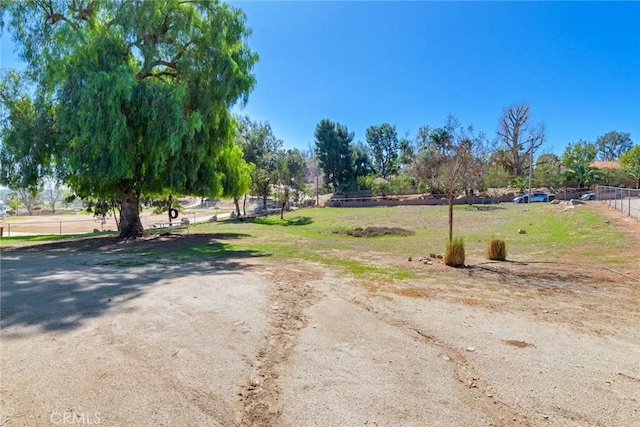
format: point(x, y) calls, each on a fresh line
point(519, 344)
point(376, 232)
point(496, 250)
point(413, 292)
point(454, 253)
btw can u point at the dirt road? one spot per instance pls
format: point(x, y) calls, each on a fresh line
point(99, 333)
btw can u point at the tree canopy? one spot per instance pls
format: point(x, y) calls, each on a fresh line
point(134, 97)
point(334, 152)
point(577, 157)
point(631, 162)
point(261, 148)
point(613, 144)
point(383, 140)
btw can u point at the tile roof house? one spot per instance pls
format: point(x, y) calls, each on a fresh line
point(605, 165)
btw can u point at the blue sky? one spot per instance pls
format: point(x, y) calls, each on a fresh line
point(413, 63)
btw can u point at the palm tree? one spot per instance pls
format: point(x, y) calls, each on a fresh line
point(582, 173)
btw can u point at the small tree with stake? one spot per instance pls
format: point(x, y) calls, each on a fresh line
point(462, 153)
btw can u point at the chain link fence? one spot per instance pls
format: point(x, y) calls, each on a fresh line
point(626, 200)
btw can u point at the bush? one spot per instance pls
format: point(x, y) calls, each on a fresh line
point(365, 182)
point(402, 185)
point(382, 188)
point(454, 253)
point(496, 250)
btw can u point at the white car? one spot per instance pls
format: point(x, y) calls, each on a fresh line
point(535, 197)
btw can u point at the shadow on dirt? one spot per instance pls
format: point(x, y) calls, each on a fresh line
point(58, 286)
point(485, 207)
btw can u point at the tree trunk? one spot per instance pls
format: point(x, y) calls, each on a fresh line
point(265, 194)
point(236, 201)
point(450, 217)
point(285, 200)
point(117, 216)
point(244, 205)
point(130, 224)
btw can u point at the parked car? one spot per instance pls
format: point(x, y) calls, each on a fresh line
point(535, 197)
point(589, 196)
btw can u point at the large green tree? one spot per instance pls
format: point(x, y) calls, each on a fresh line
point(577, 158)
point(383, 140)
point(140, 91)
point(361, 158)
point(613, 144)
point(29, 135)
point(291, 168)
point(261, 148)
point(334, 151)
point(547, 172)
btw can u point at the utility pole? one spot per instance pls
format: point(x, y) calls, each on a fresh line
point(530, 166)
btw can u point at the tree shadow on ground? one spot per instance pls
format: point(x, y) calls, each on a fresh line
point(484, 207)
point(59, 286)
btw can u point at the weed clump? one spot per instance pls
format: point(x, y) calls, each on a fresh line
point(376, 232)
point(496, 250)
point(454, 253)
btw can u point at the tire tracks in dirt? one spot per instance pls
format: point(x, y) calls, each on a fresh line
point(478, 393)
point(292, 291)
point(290, 294)
point(206, 402)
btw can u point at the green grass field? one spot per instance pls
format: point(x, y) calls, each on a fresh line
point(318, 234)
point(547, 229)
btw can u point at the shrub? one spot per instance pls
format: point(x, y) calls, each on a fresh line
point(402, 185)
point(382, 188)
point(454, 253)
point(496, 250)
point(365, 182)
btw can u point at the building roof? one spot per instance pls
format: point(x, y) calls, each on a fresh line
point(605, 165)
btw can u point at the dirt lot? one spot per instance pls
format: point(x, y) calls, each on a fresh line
point(98, 333)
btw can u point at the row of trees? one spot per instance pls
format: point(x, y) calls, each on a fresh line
point(505, 160)
point(450, 157)
point(269, 166)
point(579, 157)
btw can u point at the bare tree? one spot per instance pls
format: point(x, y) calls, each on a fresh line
point(29, 199)
point(463, 161)
point(452, 158)
point(314, 173)
point(53, 191)
point(519, 136)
